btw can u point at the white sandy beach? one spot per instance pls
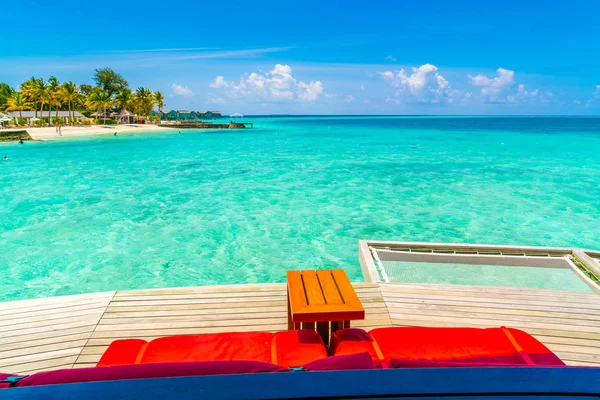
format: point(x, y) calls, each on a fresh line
point(69, 131)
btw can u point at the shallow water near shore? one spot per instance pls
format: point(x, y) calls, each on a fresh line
point(161, 209)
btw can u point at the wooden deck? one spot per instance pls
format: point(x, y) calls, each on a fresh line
point(73, 331)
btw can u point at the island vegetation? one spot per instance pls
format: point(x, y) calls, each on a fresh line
point(103, 102)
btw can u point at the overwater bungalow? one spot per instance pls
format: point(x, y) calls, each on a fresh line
point(169, 115)
point(207, 115)
point(187, 115)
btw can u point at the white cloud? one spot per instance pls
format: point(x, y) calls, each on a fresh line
point(362, 87)
point(219, 83)
point(181, 90)
point(349, 98)
point(495, 90)
point(390, 58)
point(424, 85)
point(504, 89)
point(523, 94)
point(277, 85)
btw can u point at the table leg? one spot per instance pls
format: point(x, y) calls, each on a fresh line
point(323, 329)
point(346, 324)
point(336, 326)
point(309, 326)
point(289, 310)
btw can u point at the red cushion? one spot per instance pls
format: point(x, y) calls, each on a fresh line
point(446, 344)
point(493, 345)
point(254, 346)
point(351, 341)
point(296, 348)
point(539, 354)
point(122, 352)
point(160, 370)
point(288, 349)
point(340, 363)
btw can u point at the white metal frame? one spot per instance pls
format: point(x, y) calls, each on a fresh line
point(373, 270)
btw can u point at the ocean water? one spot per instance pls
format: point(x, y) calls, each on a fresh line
point(202, 208)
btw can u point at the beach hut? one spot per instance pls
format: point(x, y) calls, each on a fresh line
point(125, 117)
point(99, 115)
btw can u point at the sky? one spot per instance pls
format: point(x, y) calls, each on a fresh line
point(322, 57)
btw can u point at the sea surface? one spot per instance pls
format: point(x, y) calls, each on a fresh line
point(150, 210)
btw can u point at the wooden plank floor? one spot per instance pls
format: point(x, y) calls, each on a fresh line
point(148, 314)
point(568, 323)
point(74, 331)
point(43, 334)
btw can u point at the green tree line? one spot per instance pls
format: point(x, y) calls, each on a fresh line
point(110, 93)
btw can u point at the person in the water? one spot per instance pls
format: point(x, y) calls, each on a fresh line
point(21, 141)
point(5, 158)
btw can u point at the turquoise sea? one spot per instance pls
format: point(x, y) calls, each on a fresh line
point(203, 208)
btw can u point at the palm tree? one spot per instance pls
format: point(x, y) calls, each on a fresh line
point(69, 93)
point(53, 98)
point(124, 99)
point(56, 102)
point(160, 100)
point(28, 89)
point(41, 94)
point(100, 99)
point(36, 93)
point(17, 103)
point(145, 100)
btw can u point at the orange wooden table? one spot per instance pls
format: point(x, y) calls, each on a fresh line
point(325, 298)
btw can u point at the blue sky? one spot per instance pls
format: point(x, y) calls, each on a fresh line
point(325, 57)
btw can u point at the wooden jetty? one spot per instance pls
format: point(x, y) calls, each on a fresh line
point(13, 135)
point(73, 331)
